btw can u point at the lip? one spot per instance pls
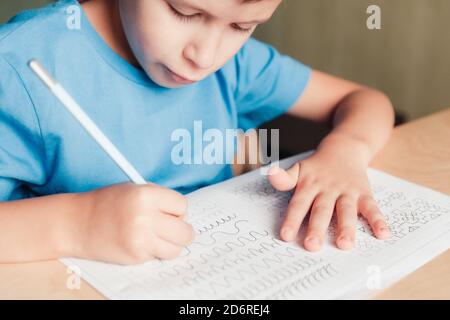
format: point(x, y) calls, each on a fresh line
point(179, 79)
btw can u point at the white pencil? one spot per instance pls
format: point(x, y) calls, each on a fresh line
point(74, 108)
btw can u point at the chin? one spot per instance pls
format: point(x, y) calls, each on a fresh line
point(161, 79)
point(169, 85)
point(158, 79)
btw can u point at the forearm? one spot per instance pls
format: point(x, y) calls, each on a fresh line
point(362, 124)
point(40, 228)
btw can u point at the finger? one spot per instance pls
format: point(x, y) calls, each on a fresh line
point(172, 202)
point(174, 230)
point(369, 210)
point(296, 211)
point(347, 216)
point(321, 213)
point(284, 180)
point(166, 250)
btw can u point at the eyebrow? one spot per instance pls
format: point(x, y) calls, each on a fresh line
point(257, 21)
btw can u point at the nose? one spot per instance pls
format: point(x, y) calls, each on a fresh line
point(202, 50)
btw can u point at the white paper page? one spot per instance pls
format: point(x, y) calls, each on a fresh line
point(237, 253)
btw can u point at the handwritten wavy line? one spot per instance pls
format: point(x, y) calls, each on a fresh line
point(252, 270)
point(200, 276)
point(216, 224)
point(212, 236)
point(266, 281)
point(305, 283)
point(216, 252)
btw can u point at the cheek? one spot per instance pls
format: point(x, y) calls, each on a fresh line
point(152, 35)
point(230, 45)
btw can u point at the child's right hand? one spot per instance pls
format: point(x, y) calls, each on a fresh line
point(131, 224)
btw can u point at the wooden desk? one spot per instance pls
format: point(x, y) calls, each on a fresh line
point(418, 151)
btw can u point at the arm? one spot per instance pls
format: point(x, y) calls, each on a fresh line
point(39, 228)
point(123, 224)
point(334, 179)
point(361, 117)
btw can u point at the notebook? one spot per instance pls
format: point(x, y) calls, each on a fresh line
point(237, 252)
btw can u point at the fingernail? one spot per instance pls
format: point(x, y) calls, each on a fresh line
point(274, 171)
point(288, 234)
point(313, 242)
point(345, 242)
point(385, 230)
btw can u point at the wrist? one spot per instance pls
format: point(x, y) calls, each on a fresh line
point(343, 145)
point(74, 222)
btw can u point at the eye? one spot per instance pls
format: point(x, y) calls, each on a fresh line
point(240, 29)
point(181, 16)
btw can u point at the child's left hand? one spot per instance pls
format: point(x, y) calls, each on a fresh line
point(326, 184)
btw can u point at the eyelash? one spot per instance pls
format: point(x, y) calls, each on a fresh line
point(188, 18)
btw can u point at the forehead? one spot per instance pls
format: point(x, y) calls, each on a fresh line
point(233, 10)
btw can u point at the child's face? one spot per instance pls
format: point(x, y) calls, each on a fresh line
point(191, 38)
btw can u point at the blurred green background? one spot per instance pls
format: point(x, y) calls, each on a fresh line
point(408, 59)
point(9, 7)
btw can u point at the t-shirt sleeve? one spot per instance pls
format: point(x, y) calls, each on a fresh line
point(268, 83)
point(21, 147)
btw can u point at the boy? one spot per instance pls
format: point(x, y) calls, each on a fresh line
point(142, 69)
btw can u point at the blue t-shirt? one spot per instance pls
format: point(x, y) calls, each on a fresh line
point(43, 150)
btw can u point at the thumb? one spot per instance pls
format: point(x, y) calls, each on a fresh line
point(284, 180)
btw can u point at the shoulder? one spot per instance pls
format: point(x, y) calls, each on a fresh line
point(35, 33)
point(250, 58)
point(252, 50)
point(254, 46)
